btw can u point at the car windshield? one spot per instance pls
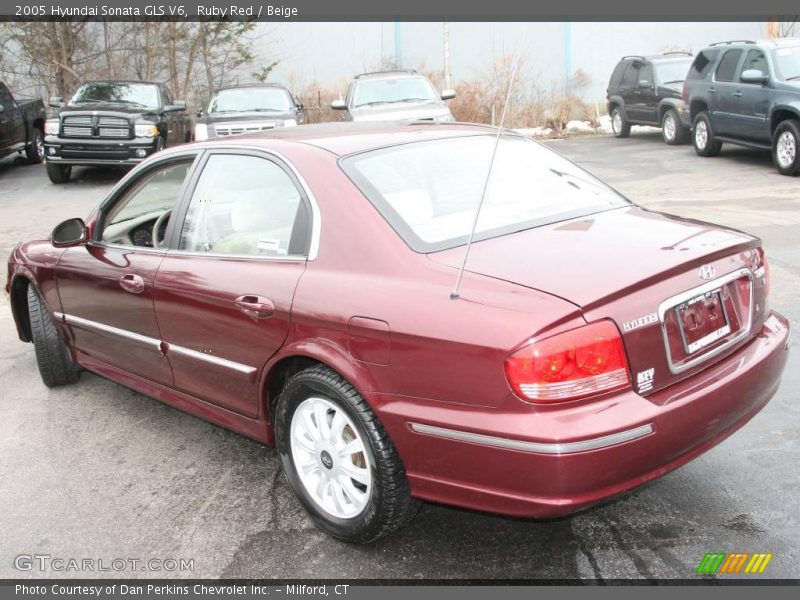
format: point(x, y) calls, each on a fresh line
point(673, 71)
point(787, 62)
point(257, 99)
point(143, 95)
point(400, 89)
point(429, 191)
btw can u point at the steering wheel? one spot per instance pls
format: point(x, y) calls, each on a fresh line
point(157, 242)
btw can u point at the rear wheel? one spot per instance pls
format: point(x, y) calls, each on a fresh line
point(55, 364)
point(619, 124)
point(58, 173)
point(703, 137)
point(785, 145)
point(34, 151)
point(673, 130)
point(339, 460)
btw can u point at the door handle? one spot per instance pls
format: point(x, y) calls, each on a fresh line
point(737, 94)
point(255, 306)
point(131, 283)
point(712, 90)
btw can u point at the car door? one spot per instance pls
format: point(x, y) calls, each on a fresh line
point(751, 100)
point(12, 126)
point(106, 286)
point(224, 291)
point(629, 90)
point(722, 91)
point(647, 103)
point(176, 131)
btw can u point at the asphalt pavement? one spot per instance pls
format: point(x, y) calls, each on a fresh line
point(97, 471)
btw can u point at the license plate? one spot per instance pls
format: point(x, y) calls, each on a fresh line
point(702, 321)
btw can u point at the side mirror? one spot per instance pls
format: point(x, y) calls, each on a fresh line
point(300, 107)
point(754, 76)
point(338, 105)
point(71, 232)
point(643, 83)
point(56, 102)
point(448, 94)
point(199, 113)
point(2, 108)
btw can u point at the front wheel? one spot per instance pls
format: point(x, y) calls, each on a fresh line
point(673, 130)
point(784, 147)
point(703, 137)
point(339, 460)
point(34, 151)
point(55, 364)
point(58, 173)
point(619, 124)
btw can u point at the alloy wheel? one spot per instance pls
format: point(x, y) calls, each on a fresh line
point(40, 147)
point(786, 149)
point(330, 458)
point(701, 134)
point(616, 121)
point(670, 128)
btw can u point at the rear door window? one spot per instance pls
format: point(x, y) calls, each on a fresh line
point(702, 64)
point(631, 77)
point(726, 71)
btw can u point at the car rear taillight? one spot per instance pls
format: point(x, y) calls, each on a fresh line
point(582, 362)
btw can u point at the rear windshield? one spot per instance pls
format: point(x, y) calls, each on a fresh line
point(429, 191)
point(673, 71)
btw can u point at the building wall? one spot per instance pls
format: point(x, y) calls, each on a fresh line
point(327, 52)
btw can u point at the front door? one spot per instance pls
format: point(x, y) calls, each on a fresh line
point(224, 291)
point(751, 100)
point(106, 286)
point(12, 125)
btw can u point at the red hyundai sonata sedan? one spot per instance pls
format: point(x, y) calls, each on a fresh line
point(296, 288)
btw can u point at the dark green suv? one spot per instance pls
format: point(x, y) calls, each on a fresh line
point(646, 90)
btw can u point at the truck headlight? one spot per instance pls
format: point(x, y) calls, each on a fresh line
point(51, 127)
point(200, 132)
point(146, 130)
point(289, 123)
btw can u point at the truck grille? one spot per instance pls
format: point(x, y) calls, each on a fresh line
point(225, 129)
point(83, 126)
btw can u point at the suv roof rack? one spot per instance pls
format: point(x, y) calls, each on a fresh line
point(636, 56)
point(680, 52)
point(386, 71)
point(732, 42)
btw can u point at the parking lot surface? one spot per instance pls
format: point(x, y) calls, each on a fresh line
point(95, 470)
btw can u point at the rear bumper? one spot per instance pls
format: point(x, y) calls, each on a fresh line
point(561, 460)
point(98, 152)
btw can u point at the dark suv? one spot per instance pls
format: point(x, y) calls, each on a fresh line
point(646, 90)
point(747, 93)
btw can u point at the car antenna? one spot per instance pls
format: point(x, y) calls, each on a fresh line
point(456, 293)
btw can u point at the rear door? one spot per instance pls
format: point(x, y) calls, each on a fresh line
point(647, 104)
point(629, 90)
point(224, 290)
point(722, 99)
point(751, 100)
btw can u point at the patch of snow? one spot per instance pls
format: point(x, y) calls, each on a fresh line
point(579, 126)
point(535, 131)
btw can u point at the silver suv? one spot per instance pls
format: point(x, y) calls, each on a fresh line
point(394, 96)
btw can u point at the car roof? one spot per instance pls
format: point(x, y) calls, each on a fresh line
point(393, 74)
point(666, 56)
point(774, 43)
point(346, 138)
point(121, 81)
point(252, 85)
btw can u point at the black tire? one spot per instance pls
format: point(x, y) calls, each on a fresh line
point(34, 151)
point(389, 505)
point(675, 134)
point(58, 173)
point(788, 161)
point(55, 364)
point(620, 127)
point(703, 137)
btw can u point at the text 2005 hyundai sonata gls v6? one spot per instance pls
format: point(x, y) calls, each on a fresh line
point(296, 288)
